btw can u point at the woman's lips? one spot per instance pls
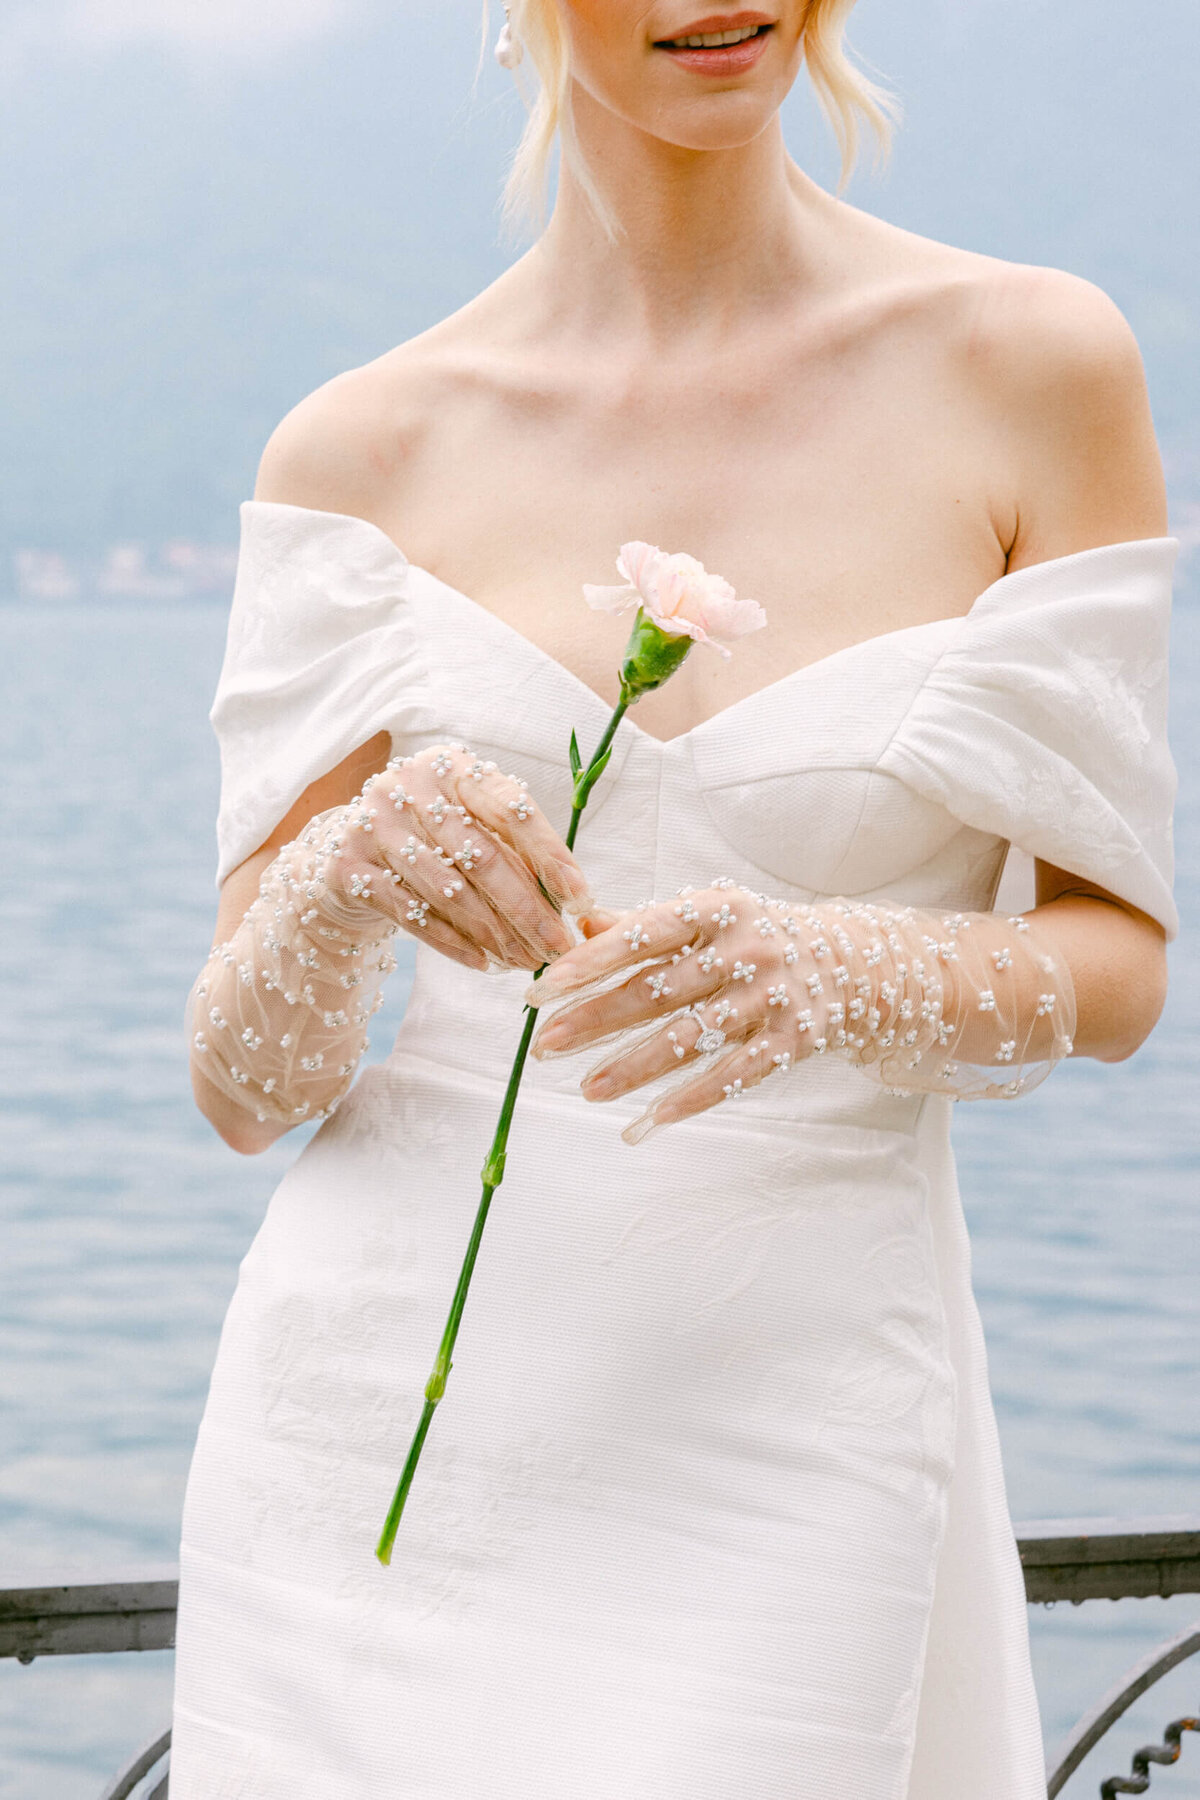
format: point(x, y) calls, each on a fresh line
point(720, 59)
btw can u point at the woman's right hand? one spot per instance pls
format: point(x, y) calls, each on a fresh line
point(454, 851)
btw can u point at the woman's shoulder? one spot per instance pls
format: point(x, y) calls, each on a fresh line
point(1055, 385)
point(347, 445)
point(1021, 323)
point(1056, 371)
point(1038, 332)
point(339, 446)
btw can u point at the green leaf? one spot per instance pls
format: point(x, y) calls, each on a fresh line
point(586, 782)
point(576, 759)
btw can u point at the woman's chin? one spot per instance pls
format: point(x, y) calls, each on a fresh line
point(715, 122)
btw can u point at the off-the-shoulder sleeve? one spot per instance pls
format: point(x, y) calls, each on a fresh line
point(1045, 721)
point(320, 657)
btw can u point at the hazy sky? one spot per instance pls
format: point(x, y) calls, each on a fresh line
point(246, 28)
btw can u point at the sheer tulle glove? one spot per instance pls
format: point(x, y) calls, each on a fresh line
point(734, 987)
point(442, 845)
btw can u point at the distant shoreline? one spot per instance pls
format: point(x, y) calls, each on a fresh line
point(178, 569)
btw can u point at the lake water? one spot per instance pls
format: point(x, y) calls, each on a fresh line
point(124, 1217)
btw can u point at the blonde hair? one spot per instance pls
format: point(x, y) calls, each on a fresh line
point(845, 94)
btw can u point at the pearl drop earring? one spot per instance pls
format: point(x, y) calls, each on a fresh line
point(509, 49)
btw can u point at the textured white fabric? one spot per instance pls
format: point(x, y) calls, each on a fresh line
point(1057, 686)
point(318, 660)
point(713, 1506)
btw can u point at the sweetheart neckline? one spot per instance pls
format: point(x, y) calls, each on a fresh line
point(725, 712)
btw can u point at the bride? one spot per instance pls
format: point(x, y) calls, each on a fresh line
point(716, 1507)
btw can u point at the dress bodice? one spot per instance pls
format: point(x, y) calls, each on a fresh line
point(904, 766)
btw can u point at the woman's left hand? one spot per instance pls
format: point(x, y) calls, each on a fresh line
point(714, 967)
point(964, 1004)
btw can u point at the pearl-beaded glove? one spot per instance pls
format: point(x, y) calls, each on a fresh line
point(277, 1017)
point(973, 1005)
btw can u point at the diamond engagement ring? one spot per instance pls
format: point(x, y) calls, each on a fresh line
point(711, 1038)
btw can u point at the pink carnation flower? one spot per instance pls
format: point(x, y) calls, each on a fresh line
point(679, 594)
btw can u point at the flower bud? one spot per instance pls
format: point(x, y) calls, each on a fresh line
point(652, 655)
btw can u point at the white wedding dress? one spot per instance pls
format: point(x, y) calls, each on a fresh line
point(713, 1508)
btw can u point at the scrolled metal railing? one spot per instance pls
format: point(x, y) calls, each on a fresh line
point(150, 1761)
point(1139, 1781)
point(1094, 1725)
point(1114, 1559)
point(1073, 1560)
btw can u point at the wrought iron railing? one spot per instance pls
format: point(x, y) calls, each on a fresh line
point(1074, 1559)
point(1112, 1559)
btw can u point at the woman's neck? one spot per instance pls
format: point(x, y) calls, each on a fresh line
point(703, 239)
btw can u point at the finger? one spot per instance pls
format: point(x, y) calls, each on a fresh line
point(499, 878)
point(415, 913)
point(639, 936)
point(440, 935)
point(383, 888)
point(700, 1031)
point(688, 975)
point(426, 878)
point(593, 923)
point(444, 879)
point(726, 1078)
point(497, 873)
point(361, 872)
point(504, 804)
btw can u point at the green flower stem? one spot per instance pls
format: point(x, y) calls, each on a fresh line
point(493, 1170)
point(586, 782)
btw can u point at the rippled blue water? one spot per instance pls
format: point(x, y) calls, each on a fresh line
point(124, 1217)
